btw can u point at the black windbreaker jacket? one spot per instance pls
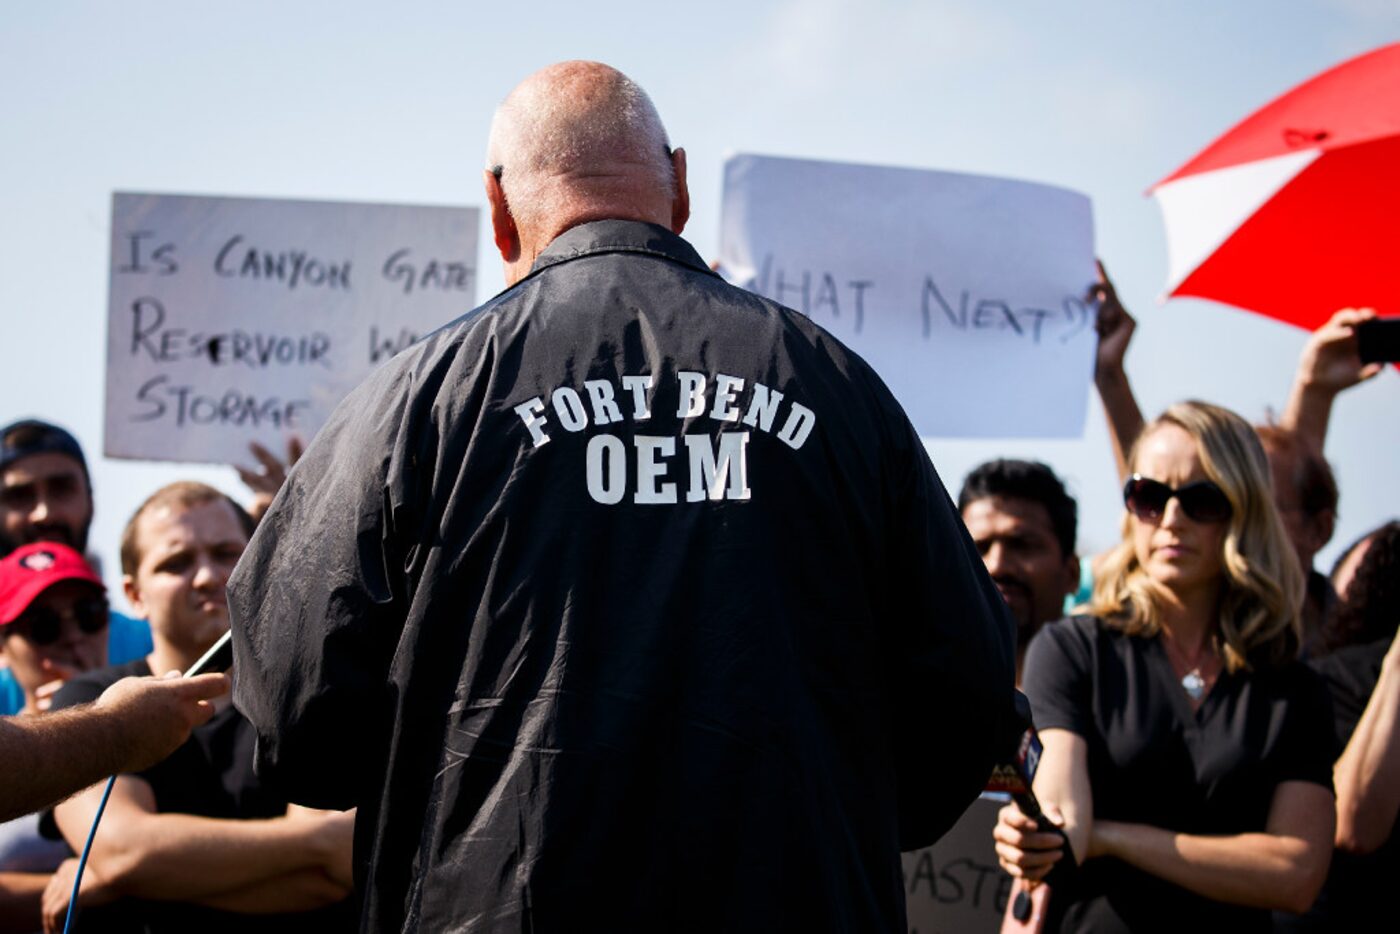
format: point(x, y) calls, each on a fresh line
point(629, 601)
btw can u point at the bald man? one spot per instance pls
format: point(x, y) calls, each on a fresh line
point(629, 601)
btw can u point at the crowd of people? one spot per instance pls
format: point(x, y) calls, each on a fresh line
point(1217, 715)
point(1220, 719)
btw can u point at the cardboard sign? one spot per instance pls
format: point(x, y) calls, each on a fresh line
point(965, 293)
point(233, 320)
point(956, 886)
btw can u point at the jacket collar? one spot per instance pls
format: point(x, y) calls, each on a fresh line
point(618, 236)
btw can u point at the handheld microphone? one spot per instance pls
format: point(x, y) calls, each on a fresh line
point(218, 658)
point(1015, 776)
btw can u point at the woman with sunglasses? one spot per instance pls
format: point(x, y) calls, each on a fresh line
point(53, 625)
point(1186, 750)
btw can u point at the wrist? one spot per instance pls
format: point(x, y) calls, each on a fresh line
point(1312, 384)
point(1110, 374)
point(1103, 839)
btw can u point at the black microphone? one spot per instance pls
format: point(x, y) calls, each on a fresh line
point(1015, 777)
point(1016, 774)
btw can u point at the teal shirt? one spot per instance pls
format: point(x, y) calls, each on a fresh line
point(127, 639)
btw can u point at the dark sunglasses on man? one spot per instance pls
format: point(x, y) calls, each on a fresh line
point(43, 625)
point(1202, 501)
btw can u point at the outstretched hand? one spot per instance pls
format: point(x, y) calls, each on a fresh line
point(268, 477)
point(153, 716)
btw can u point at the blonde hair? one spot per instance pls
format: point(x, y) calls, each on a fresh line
point(1262, 592)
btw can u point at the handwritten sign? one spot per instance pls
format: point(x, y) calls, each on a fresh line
point(965, 293)
point(956, 886)
point(233, 320)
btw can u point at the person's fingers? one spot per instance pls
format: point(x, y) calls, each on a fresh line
point(1034, 841)
point(249, 477)
point(1370, 370)
point(265, 457)
point(295, 449)
point(1012, 816)
point(205, 686)
point(1019, 865)
point(1027, 859)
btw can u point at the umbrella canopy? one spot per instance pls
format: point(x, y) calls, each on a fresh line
point(1295, 212)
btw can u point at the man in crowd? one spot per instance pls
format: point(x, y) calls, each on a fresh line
point(629, 601)
point(53, 613)
point(1024, 525)
point(46, 496)
point(196, 842)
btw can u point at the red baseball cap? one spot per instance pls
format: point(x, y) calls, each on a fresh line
point(30, 570)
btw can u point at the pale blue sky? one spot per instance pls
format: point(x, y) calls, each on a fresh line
point(373, 102)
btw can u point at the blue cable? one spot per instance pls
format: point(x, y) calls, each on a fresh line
point(207, 660)
point(82, 860)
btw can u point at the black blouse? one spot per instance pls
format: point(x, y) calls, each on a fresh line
point(1152, 760)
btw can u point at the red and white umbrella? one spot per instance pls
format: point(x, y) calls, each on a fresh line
point(1295, 212)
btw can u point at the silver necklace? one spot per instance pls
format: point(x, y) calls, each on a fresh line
point(1194, 684)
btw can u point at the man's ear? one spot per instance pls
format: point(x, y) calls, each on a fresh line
point(1071, 572)
point(503, 228)
point(133, 596)
point(680, 204)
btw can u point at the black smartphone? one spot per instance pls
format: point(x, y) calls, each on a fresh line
point(218, 658)
point(1378, 340)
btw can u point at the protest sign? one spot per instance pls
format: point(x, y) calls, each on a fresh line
point(956, 886)
point(233, 320)
point(965, 293)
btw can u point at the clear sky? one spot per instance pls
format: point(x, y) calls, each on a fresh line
point(378, 102)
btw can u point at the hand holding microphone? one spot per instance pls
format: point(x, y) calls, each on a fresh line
point(1029, 842)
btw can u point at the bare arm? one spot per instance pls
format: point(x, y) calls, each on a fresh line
point(1367, 775)
point(1329, 364)
point(1115, 328)
point(1063, 789)
point(183, 857)
point(1281, 868)
point(296, 891)
point(134, 724)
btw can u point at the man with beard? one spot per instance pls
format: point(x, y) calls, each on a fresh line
point(1023, 524)
point(46, 496)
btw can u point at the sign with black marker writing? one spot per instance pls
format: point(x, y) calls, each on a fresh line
point(964, 292)
point(956, 886)
point(233, 320)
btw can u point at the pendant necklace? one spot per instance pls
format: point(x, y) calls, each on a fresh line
point(1193, 682)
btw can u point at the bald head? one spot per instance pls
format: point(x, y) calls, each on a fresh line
point(575, 142)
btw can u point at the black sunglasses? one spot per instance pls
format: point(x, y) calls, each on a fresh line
point(43, 625)
point(1202, 501)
